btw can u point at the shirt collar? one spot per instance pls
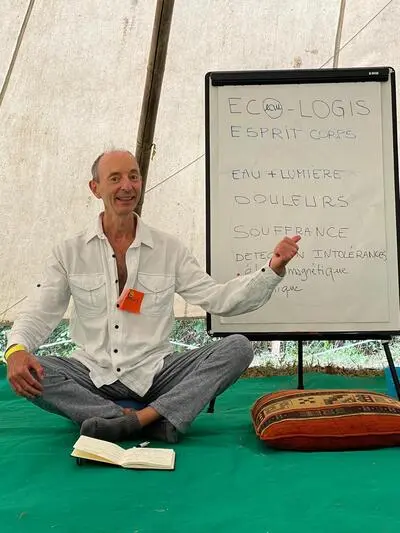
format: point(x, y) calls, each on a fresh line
point(143, 232)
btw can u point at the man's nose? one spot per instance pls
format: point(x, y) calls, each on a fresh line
point(126, 184)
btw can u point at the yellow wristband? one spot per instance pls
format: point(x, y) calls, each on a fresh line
point(12, 349)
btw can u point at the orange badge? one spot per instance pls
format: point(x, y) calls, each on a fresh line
point(131, 300)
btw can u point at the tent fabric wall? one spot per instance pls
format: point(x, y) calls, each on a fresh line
point(76, 90)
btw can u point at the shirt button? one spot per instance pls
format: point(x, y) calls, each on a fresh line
point(263, 270)
point(117, 305)
point(113, 255)
point(38, 285)
point(116, 281)
point(118, 370)
point(115, 351)
point(116, 326)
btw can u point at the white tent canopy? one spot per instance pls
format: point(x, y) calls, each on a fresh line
point(76, 89)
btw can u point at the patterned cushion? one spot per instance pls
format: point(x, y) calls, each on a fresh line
point(327, 419)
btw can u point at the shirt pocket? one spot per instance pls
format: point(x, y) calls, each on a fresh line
point(89, 294)
point(158, 290)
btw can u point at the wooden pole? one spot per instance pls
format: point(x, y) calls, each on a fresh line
point(152, 89)
point(338, 38)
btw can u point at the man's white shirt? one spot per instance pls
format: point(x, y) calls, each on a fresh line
point(115, 344)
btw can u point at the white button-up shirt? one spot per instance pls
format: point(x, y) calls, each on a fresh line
point(119, 345)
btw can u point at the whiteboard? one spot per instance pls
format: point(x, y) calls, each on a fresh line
point(309, 152)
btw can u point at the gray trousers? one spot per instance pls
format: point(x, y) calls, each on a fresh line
point(185, 385)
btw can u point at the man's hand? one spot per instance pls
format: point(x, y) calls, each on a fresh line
point(284, 251)
point(24, 374)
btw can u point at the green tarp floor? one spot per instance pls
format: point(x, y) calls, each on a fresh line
point(225, 480)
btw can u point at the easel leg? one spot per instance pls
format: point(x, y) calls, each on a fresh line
point(300, 376)
point(393, 372)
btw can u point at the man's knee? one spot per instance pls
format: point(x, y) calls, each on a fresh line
point(48, 362)
point(64, 367)
point(242, 349)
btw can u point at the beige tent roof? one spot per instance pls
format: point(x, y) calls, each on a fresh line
point(77, 86)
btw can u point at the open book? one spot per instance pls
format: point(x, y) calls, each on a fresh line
point(107, 452)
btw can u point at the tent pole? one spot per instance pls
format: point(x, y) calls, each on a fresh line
point(152, 89)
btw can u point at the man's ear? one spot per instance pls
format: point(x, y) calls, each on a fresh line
point(93, 187)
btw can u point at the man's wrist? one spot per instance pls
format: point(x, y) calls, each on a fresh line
point(279, 271)
point(13, 349)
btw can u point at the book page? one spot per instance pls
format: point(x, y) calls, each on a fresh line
point(84, 455)
point(149, 458)
point(107, 450)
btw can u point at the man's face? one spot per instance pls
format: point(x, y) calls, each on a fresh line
point(119, 184)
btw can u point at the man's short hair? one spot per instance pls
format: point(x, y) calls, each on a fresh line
point(95, 166)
